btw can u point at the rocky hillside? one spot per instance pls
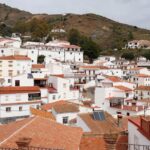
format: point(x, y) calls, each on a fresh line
point(105, 32)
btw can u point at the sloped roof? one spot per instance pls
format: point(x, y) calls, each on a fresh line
point(143, 88)
point(114, 78)
point(92, 143)
point(19, 89)
point(15, 57)
point(123, 88)
point(38, 66)
point(43, 133)
point(101, 127)
point(62, 107)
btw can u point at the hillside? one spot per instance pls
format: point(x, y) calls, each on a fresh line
point(105, 32)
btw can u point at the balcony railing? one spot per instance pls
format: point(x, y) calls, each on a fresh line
point(125, 146)
point(34, 98)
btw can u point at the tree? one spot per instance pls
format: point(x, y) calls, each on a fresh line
point(40, 31)
point(146, 54)
point(74, 36)
point(128, 56)
point(41, 59)
point(130, 36)
point(5, 30)
point(90, 48)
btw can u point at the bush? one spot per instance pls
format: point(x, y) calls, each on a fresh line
point(128, 56)
point(146, 54)
point(41, 59)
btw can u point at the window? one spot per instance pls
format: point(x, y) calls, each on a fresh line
point(54, 97)
point(10, 72)
point(2, 51)
point(64, 85)
point(65, 120)
point(6, 98)
point(17, 83)
point(127, 94)
point(37, 107)
point(32, 52)
point(20, 108)
point(128, 114)
point(8, 109)
point(9, 80)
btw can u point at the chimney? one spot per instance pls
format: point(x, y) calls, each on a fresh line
point(110, 140)
point(119, 117)
point(23, 143)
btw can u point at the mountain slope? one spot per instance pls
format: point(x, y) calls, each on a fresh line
point(105, 32)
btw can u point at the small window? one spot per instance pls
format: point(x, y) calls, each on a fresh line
point(20, 108)
point(65, 120)
point(128, 114)
point(9, 80)
point(2, 51)
point(37, 107)
point(6, 98)
point(17, 83)
point(54, 97)
point(32, 52)
point(8, 109)
point(64, 85)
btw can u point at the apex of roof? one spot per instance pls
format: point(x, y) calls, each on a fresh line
point(62, 107)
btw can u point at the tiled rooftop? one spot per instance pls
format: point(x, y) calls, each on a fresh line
point(43, 132)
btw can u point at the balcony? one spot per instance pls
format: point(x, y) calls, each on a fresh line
point(33, 97)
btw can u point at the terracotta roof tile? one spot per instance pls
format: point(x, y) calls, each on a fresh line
point(93, 67)
point(122, 142)
point(38, 66)
point(62, 107)
point(92, 143)
point(51, 105)
point(19, 89)
point(143, 75)
point(66, 108)
point(58, 75)
point(123, 88)
point(114, 78)
point(51, 90)
point(15, 57)
point(143, 88)
point(101, 127)
point(43, 133)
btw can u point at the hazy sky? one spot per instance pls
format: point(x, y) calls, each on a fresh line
point(134, 12)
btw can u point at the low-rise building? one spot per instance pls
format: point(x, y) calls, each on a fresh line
point(15, 102)
point(14, 65)
point(139, 132)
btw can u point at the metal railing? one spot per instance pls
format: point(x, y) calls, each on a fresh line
point(125, 146)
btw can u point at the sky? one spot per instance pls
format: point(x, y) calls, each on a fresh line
point(133, 12)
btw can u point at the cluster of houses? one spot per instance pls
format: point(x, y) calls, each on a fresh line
point(65, 103)
point(138, 44)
